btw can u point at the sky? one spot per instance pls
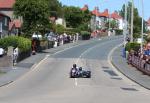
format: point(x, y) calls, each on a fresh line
point(112, 5)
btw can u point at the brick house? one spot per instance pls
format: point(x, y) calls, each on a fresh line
point(4, 25)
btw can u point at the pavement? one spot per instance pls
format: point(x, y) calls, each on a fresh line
point(10, 74)
point(129, 71)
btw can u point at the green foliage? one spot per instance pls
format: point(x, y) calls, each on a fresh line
point(113, 24)
point(119, 32)
point(136, 35)
point(60, 29)
point(85, 33)
point(148, 38)
point(55, 8)
point(35, 14)
point(137, 19)
point(132, 46)
point(75, 17)
point(22, 43)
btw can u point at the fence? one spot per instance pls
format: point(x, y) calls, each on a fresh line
point(140, 64)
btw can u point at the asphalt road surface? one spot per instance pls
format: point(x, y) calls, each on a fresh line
point(49, 81)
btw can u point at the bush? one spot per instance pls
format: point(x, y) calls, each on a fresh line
point(132, 46)
point(60, 29)
point(119, 32)
point(85, 35)
point(136, 35)
point(22, 43)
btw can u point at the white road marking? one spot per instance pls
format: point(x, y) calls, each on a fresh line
point(76, 82)
point(128, 80)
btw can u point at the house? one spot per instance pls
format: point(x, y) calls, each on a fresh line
point(4, 25)
point(119, 20)
point(60, 21)
point(6, 7)
point(84, 8)
point(14, 27)
point(148, 24)
point(100, 20)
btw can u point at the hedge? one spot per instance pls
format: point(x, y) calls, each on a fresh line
point(85, 35)
point(132, 46)
point(119, 32)
point(22, 43)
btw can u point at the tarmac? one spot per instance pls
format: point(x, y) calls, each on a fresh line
point(12, 73)
point(29, 63)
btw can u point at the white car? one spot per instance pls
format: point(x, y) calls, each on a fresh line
point(1, 51)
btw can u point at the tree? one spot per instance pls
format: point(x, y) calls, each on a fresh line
point(75, 18)
point(35, 14)
point(55, 8)
point(137, 19)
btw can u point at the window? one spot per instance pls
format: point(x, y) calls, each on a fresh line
point(5, 21)
point(0, 27)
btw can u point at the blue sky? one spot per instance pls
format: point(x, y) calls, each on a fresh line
point(110, 4)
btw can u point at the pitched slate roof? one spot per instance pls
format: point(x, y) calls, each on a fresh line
point(7, 3)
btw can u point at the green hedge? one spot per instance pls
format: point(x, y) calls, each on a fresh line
point(85, 35)
point(22, 43)
point(132, 46)
point(119, 32)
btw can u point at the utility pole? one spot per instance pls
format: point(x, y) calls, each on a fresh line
point(125, 24)
point(142, 26)
point(132, 16)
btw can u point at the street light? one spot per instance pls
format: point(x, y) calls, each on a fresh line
point(142, 25)
point(132, 16)
point(125, 24)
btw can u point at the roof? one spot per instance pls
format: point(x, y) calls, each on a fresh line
point(7, 3)
point(104, 14)
point(2, 14)
point(96, 11)
point(84, 8)
point(115, 15)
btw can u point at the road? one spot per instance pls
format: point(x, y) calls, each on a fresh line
point(49, 82)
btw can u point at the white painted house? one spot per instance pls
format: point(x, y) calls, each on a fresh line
point(60, 21)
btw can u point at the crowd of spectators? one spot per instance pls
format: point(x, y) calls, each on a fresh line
point(143, 55)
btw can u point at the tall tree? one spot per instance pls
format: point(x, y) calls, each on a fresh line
point(137, 19)
point(55, 8)
point(76, 18)
point(35, 14)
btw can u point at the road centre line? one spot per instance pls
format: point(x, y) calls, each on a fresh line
point(89, 49)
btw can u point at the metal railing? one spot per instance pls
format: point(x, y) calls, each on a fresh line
point(139, 63)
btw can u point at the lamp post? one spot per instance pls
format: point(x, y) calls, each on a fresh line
point(132, 16)
point(142, 25)
point(125, 24)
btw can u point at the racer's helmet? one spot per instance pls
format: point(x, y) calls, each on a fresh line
point(74, 65)
point(80, 68)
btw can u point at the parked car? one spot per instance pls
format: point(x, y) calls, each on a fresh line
point(1, 51)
